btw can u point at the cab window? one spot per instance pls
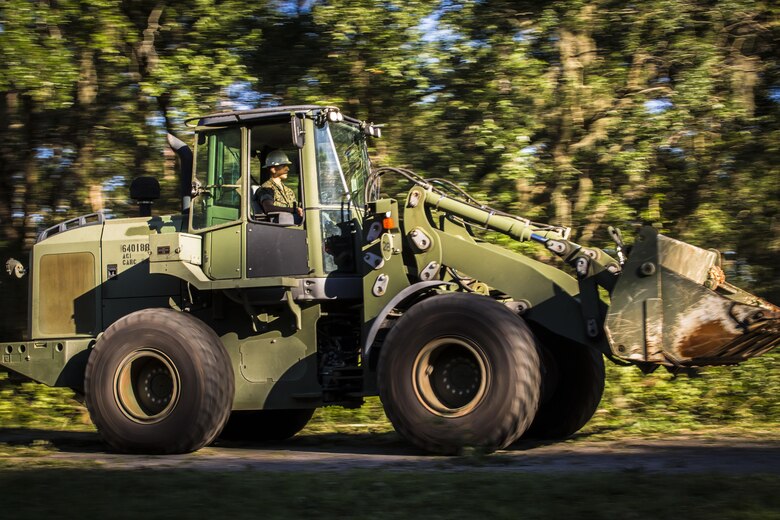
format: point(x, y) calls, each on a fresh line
point(218, 171)
point(263, 140)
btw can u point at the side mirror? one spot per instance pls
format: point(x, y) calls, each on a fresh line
point(298, 135)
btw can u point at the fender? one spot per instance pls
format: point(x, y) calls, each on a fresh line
point(399, 298)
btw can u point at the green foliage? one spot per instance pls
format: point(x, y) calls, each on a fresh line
point(743, 397)
point(32, 405)
point(369, 418)
point(740, 400)
point(28, 45)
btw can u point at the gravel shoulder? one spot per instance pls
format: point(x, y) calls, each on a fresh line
point(679, 454)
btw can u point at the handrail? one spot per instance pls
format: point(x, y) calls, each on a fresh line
point(90, 219)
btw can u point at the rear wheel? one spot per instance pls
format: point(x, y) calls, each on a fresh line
point(265, 425)
point(159, 381)
point(459, 370)
point(572, 388)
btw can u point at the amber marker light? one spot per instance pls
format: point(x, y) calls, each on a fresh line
point(388, 222)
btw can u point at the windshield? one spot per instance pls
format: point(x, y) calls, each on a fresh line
point(342, 168)
point(342, 158)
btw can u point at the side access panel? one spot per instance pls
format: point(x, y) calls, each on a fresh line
point(275, 251)
point(222, 253)
point(275, 366)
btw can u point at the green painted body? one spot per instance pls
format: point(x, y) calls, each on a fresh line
point(302, 309)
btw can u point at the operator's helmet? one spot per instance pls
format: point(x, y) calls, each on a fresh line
point(276, 158)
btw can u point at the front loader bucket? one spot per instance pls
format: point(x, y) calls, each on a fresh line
point(671, 306)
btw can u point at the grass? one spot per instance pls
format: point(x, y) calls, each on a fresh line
point(48, 493)
point(39, 485)
point(741, 401)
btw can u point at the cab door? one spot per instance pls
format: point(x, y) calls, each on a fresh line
point(274, 248)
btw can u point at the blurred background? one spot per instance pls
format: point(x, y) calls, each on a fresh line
point(581, 114)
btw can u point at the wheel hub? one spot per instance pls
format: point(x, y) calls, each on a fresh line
point(146, 386)
point(451, 376)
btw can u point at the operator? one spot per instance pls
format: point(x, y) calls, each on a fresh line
point(273, 195)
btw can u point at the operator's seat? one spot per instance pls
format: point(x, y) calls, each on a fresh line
point(256, 207)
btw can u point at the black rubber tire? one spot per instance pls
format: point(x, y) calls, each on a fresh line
point(481, 343)
point(192, 361)
point(573, 386)
point(265, 425)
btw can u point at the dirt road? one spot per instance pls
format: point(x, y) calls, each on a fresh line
point(387, 452)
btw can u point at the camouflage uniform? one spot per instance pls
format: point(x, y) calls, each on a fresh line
point(280, 194)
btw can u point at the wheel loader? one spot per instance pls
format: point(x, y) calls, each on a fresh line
point(226, 319)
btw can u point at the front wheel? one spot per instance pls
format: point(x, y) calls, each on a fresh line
point(459, 370)
point(159, 381)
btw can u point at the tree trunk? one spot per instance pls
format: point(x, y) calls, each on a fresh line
point(8, 232)
point(29, 163)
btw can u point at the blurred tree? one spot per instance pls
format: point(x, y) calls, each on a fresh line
point(87, 92)
point(36, 66)
point(581, 113)
point(367, 57)
point(587, 113)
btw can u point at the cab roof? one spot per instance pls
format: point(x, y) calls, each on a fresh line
point(239, 116)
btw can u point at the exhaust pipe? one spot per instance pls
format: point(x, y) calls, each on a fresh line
point(185, 170)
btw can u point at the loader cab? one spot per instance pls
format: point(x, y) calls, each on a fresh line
point(328, 172)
